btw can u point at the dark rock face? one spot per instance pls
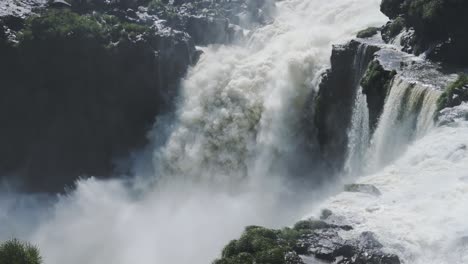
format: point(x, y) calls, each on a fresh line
point(328, 245)
point(376, 85)
point(73, 102)
point(335, 99)
point(439, 26)
point(81, 89)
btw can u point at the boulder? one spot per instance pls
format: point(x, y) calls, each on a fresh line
point(362, 188)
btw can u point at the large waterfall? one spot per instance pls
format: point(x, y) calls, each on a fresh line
point(234, 153)
point(226, 156)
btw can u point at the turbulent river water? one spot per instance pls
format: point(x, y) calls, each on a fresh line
point(225, 159)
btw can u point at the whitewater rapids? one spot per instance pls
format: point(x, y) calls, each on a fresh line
point(421, 214)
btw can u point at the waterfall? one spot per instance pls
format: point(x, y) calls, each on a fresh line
point(225, 158)
point(359, 132)
point(407, 115)
point(421, 214)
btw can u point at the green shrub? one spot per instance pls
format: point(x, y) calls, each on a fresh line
point(267, 246)
point(16, 252)
point(454, 94)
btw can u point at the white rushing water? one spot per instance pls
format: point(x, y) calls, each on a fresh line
point(230, 148)
point(359, 132)
point(422, 172)
point(421, 214)
point(408, 114)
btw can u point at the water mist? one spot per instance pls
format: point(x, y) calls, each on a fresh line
point(226, 161)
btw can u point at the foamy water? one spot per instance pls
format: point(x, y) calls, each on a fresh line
point(421, 215)
point(232, 142)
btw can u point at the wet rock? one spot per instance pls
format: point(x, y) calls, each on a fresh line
point(455, 94)
point(362, 188)
point(439, 27)
point(309, 241)
point(335, 99)
point(293, 258)
point(326, 213)
point(328, 245)
point(368, 32)
point(375, 84)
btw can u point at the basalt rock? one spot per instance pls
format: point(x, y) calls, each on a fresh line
point(362, 188)
point(439, 27)
point(375, 84)
point(335, 99)
point(80, 91)
point(308, 240)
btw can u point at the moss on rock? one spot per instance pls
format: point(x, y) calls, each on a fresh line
point(376, 84)
point(455, 93)
point(368, 32)
point(268, 246)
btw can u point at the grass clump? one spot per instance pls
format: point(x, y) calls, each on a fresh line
point(17, 252)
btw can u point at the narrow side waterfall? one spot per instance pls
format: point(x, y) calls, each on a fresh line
point(359, 132)
point(408, 114)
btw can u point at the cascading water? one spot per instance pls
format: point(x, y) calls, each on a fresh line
point(420, 169)
point(421, 214)
point(228, 157)
point(408, 114)
point(359, 132)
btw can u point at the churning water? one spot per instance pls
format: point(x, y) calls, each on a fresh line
point(225, 159)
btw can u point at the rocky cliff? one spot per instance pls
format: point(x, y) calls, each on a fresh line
point(82, 81)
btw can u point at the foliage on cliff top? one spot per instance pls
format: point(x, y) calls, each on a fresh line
point(376, 79)
point(16, 252)
point(455, 93)
point(65, 24)
point(267, 246)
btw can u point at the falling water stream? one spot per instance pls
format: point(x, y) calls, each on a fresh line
point(229, 154)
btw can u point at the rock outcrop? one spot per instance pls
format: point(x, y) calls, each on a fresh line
point(434, 27)
point(335, 99)
point(82, 84)
point(309, 241)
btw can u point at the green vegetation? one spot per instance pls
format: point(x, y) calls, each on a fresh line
point(376, 79)
point(165, 10)
point(16, 252)
point(454, 94)
point(65, 24)
point(267, 246)
point(368, 32)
